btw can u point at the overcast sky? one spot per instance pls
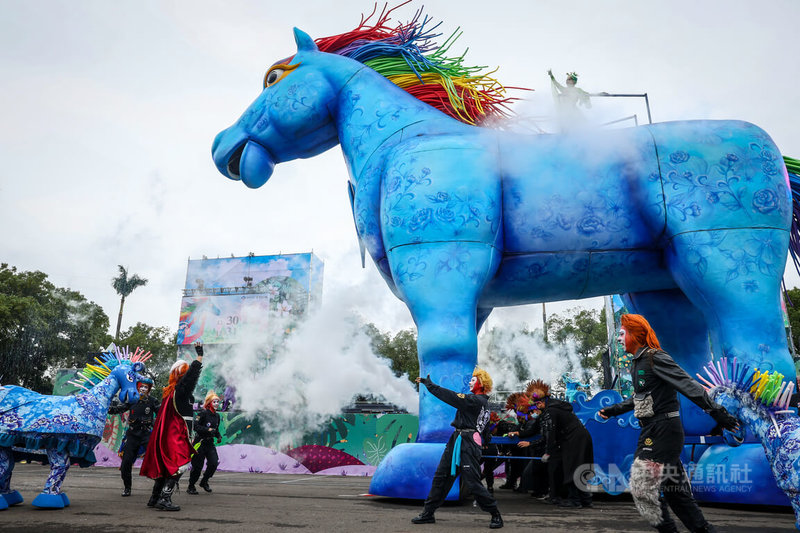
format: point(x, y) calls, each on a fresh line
point(109, 110)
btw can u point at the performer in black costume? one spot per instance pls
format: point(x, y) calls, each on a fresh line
point(535, 474)
point(658, 480)
point(206, 429)
point(462, 454)
point(140, 424)
point(566, 437)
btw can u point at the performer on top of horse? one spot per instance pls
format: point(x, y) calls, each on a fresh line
point(462, 454)
point(657, 467)
point(169, 452)
point(140, 424)
point(206, 429)
point(568, 98)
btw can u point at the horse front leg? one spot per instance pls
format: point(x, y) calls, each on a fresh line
point(52, 497)
point(441, 283)
point(8, 497)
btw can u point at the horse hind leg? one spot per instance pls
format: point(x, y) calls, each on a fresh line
point(682, 331)
point(733, 277)
point(52, 497)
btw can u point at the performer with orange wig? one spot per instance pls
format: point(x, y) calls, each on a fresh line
point(568, 447)
point(169, 451)
point(462, 454)
point(206, 429)
point(658, 479)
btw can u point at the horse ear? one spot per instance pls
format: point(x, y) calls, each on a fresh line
point(304, 42)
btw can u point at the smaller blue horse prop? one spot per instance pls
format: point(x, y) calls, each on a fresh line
point(761, 401)
point(66, 428)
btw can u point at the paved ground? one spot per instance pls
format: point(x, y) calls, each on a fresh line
point(266, 502)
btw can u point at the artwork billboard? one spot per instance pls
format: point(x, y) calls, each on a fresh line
point(225, 297)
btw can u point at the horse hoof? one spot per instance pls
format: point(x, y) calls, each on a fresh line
point(48, 501)
point(66, 500)
point(12, 498)
point(3, 504)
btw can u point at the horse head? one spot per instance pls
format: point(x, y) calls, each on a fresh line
point(127, 375)
point(728, 399)
point(290, 119)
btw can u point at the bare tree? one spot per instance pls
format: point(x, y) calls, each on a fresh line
point(124, 286)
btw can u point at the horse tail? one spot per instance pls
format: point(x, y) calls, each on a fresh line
point(793, 170)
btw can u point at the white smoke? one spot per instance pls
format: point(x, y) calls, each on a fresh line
point(324, 362)
point(509, 350)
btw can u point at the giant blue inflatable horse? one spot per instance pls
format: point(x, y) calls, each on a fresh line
point(690, 219)
point(66, 428)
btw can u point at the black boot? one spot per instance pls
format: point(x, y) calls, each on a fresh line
point(497, 521)
point(424, 518)
point(157, 487)
point(191, 490)
point(204, 485)
point(164, 502)
point(126, 491)
point(667, 527)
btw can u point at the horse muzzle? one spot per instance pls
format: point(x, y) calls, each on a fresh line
point(246, 160)
point(129, 397)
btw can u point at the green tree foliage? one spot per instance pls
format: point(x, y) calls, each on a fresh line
point(125, 285)
point(793, 310)
point(400, 349)
point(43, 327)
point(587, 327)
point(158, 340)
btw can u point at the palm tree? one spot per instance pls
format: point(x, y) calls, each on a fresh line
point(125, 285)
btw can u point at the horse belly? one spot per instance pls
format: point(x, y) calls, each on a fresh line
point(553, 276)
point(577, 192)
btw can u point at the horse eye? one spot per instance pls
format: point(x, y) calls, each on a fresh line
point(130, 377)
point(273, 76)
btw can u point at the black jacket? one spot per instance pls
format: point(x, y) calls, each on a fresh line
point(184, 399)
point(206, 426)
point(654, 371)
point(472, 409)
point(143, 413)
point(564, 434)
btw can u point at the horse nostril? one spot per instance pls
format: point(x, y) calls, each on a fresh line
point(233, 161)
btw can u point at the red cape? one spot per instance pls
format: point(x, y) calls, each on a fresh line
point(169, 447)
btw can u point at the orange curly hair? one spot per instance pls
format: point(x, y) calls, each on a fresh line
point(177, 371)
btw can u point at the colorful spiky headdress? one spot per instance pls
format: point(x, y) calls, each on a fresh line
point(770, 391)
point(537, 390)
point(407, 56)
point(516, 398)
point(92, 374)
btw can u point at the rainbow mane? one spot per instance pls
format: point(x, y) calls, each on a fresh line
point(93, 374)
point(407, 56)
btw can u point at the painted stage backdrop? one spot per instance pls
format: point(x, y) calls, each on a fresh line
point(256, 300)
point(226, 298)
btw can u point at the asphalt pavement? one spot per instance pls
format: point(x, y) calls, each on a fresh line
point(270, 502)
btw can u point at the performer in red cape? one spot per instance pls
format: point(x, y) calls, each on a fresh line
point(170, 451)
